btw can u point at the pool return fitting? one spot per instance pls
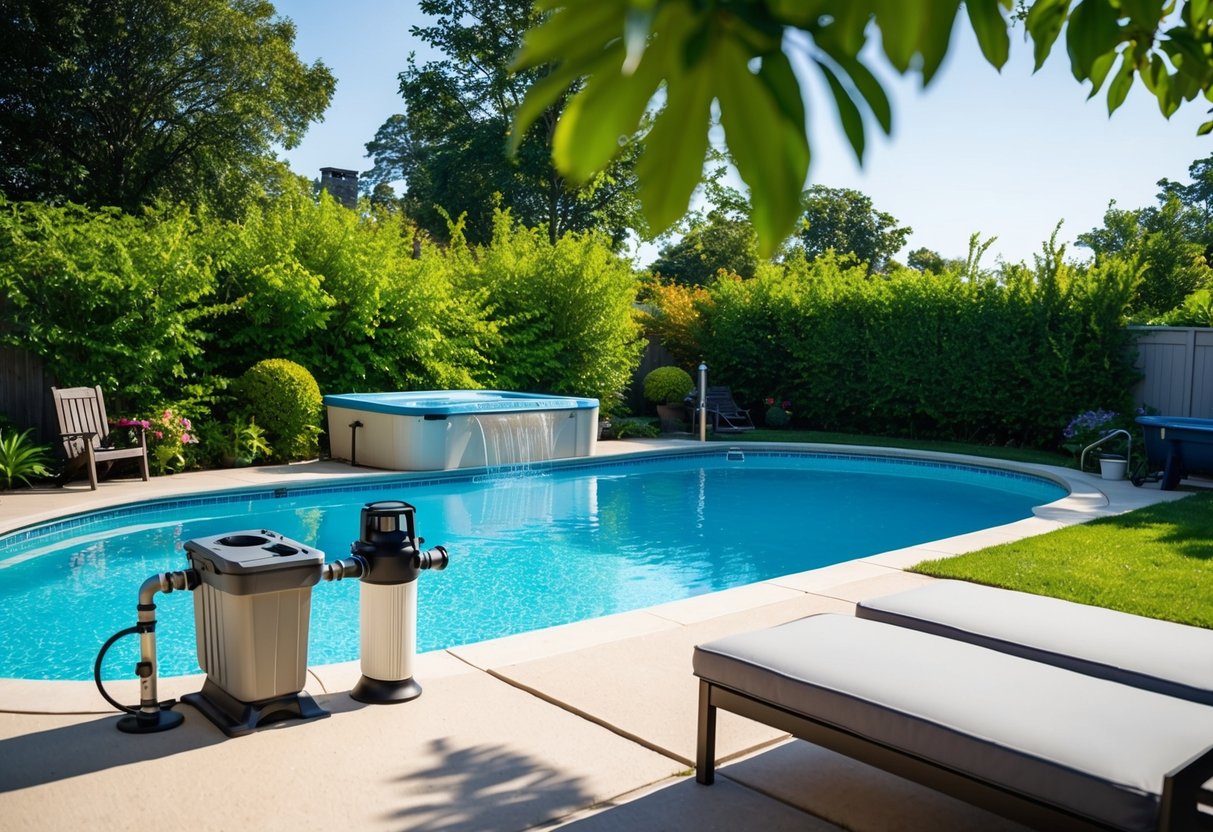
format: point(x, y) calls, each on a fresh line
point(252, 607)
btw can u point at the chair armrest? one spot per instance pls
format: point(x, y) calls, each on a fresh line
point(84, 434)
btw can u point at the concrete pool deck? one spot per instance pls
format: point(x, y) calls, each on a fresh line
point(589, 725)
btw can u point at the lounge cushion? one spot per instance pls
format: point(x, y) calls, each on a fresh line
point(1099, 748)
point(1162, 656)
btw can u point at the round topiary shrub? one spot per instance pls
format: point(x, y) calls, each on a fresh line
point(285, 400)
point(667, 385)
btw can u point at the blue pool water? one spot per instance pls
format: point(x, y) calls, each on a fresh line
point(574, 543)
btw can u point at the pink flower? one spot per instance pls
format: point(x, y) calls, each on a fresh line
point(168, 414)
point(185, 423)
point(185, 439)
point(159, 434)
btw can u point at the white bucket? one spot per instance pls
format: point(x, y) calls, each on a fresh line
point(1113, 467)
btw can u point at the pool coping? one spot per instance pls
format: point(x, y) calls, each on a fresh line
point(1089, 497)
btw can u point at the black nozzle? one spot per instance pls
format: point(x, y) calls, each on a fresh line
point(436, 559)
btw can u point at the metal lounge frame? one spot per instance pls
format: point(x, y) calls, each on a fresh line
point(1179, 804)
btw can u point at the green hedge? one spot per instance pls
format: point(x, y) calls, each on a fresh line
point(999, 359)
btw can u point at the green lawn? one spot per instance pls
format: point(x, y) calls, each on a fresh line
point(1155, 561)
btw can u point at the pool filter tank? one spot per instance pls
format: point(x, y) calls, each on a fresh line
point(252, 608)
point(388, 561)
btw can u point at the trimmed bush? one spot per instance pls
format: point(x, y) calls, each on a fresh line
point(998, 359)
point(777, 417)
point(667, 385)
point(285, 400)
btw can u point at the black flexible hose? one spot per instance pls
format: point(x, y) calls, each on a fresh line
point(129, 631)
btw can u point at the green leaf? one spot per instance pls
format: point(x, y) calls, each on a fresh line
point(872, 93)
point(604, 114)
point(1099, 71)
point(991, 30)
point(1187, 53)
point(1145, 13)
point(1119, 88)
point(672, 164)
point(848, 113)
point(1044, 22)
point(899, 22)
point(768, 146)
point(935, 34)
point(1205, 129)
point(864, 81)
point(571, 31)
point(544, 92)
point(777, 73)
point(799, 13)
point(1093, 31)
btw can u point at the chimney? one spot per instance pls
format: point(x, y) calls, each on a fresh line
point(341, 184)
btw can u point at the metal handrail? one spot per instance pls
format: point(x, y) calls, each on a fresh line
point(1082, 461)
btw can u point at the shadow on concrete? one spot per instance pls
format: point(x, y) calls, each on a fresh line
point(722, 807)
point(87, 747)
point(484, 787)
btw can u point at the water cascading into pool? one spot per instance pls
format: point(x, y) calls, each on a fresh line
point(514, 442)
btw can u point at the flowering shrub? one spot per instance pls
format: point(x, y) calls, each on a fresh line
point(1089, 426)
point(167, 438)
point(779, 412)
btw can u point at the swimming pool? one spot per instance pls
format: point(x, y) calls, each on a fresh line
point(584, 539)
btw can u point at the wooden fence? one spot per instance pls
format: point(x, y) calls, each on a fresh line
point(1177, 370)
point(25, 393)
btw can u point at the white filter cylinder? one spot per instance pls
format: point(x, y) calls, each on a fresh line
point(387, 623)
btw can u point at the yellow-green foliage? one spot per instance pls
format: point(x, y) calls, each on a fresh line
point(172, 306)
point(564, 310)
point(107, 298)
point(284, 399)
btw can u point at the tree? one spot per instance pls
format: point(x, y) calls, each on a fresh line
point(927, 260)
point(449, 145)
point(1159, 242)
point(722, 239)
point(846, 221)
point(717, 242)
point(129, 101)
point(617, 55)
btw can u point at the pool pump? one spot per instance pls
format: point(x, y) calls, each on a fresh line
point(252, 608)
point(387, 559)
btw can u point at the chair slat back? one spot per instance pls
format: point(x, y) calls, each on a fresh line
point(720, 398)
point(80, 410)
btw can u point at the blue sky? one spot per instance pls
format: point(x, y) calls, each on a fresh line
point(1006, 155)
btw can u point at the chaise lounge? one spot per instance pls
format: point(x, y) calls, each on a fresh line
point(1049, 745)
point(726, 416)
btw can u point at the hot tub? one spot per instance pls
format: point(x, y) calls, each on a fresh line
point(429, 430)
point(1178, 446)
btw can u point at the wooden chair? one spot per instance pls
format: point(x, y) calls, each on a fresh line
point(84, 431)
